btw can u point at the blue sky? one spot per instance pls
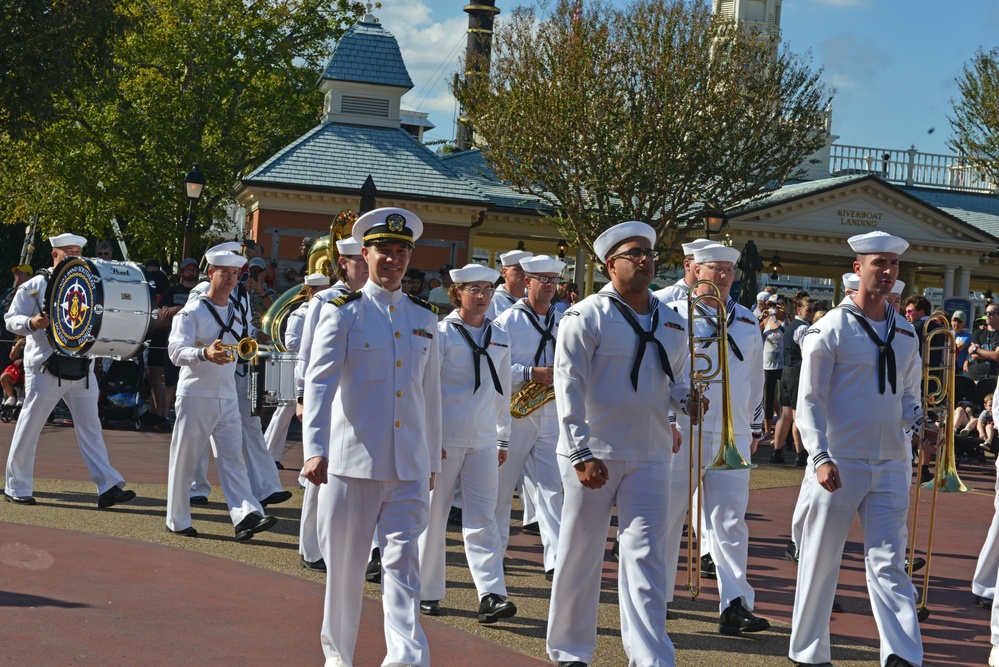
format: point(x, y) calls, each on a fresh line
point(892, 62)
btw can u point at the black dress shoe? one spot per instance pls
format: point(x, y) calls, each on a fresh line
point(708, 567)
point(430, 607)
point(777, 456)
point(550, 574)
point(812, 664)
point(373, 573)
point(199, 500)
point(616, 551)
point(113, 496)
point(20, 500)
point(926, 476)
point(572, 663)
point(276, 498)
point(895, 661)
point(791, 552)
point(736, 619)
point(186, 532)
point(917, 564)
point(531, 529)
point(314, 565)
point(277, 464)
point(837, 607)
point(253, 524)
point(921, 615)
point(802, 459)
point(983, 601)
point(454, 517)
point(492, 608)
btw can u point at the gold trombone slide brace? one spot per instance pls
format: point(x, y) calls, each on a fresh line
point(246, 349)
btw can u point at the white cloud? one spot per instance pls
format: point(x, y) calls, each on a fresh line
point(853, 61)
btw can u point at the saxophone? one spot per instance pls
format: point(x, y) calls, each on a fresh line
point(530, 397)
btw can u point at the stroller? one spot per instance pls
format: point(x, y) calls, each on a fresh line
point(119, 404)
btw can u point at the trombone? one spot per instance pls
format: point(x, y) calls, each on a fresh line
point(938, 395)
point(728, 457)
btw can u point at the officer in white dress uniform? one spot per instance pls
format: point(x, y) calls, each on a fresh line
point(532, 325)
point(372, 438)
point(475, 389)
point(983, 585)
point(276, 435)
point(264, 479)
point(621, 361)
point(681, 288)
point(512, 290)
point(858, 392)
point(207, 405)
point(725, 493)
point(42, 391)
point(352, 270)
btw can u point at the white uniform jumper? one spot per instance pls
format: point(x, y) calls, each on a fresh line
point(613, 388)
point(502, 302)
point(532, 438)
point(276, 435)
point(42, 392)
point(725, 494)
point(478, 400)
point(264, 479)
point(206, 406)
point(373, 407)
point(678, 291)
point(855, 398)
point(987, 569)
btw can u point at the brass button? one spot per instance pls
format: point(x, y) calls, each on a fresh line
point(391, 309)
point(398, 335)
point(367, 345)
point(398, 424)
point(398, 394)
point(398, 364)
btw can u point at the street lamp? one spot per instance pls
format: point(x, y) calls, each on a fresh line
point(194, 183)
point(562, 247)
point(714, 220)
point(776, 268)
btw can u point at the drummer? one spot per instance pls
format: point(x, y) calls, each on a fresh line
point(28, 317)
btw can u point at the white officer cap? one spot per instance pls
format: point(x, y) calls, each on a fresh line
point(387, 224)
point(513, 257)
point(865, 244)
point(64, 240)
point(471, 273)
point(612, 237)
point(348, 247)
point(897, 287)
point(229, 259)
point(228, 246)
point(762, 296)
point(542, 264)
point(851, 281)
point(691, 246)
point(716, 252)
point(317, 280)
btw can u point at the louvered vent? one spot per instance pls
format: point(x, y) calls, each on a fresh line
point(364, 106)
point(725, 8)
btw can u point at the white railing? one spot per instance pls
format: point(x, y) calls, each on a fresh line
point(910, 167)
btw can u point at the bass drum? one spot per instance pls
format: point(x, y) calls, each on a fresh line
point(99, 308)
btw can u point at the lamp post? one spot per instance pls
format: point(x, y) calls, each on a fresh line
point(714, 219)
point(776, 268)
point(194, 183)
point(561, 248)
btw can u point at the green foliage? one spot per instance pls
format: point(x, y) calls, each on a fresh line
point(644, 113)
point(222, 82)
point(976, 115)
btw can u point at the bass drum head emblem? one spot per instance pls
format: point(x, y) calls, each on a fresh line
point(71, 308)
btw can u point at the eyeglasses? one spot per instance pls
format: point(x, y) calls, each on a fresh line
point(727, 270)
point(479, 291)
point(910, 311)
point(638, 254)
point(990, 312)
point(546, 280)
point(103, 254)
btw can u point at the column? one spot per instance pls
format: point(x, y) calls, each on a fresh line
point(948, 283)
point(963, 290)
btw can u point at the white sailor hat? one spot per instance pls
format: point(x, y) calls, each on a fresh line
point(612, 237)
point(542, 264)
point(228, 246)
point(387, 224)
point(471, 273)
point(513, 257)
point(348, 247)
point(762, 296)
point(865, 244)
point(898, 287)
point(716, 252)
point(225, 258)
point(851, 281)
point(691, 246)
point(64, 240)
point(317, 280)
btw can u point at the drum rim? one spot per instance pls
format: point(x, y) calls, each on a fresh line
point(97, 318)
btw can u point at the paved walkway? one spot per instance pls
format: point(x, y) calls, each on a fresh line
point(85, 587)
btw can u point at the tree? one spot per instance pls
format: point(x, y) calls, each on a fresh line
point(645, 113)
point(225, 83)
point(976, 115)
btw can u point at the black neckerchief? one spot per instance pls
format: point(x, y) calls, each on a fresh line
point(226, 327)
point(644, 337)
point(546, 332)
point(480, 351)
point(886, 354)
point(730, 307)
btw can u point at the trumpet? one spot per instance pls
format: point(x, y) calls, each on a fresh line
point(728, 457)
point(938, 394)
point(246, 349)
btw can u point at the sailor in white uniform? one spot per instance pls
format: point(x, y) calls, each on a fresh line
point(42, 390)
point(983, 585)
point(724, 494)
point(352, 271)
point(207, 404)
point(857, 394)
point(512, 290)
point(264, 479)
point(681, 288)
point(372, 438)
point(532, 325)
point(621, 361)
point(475, 387)
point(276, 434)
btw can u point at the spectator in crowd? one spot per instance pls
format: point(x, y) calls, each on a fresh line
point(568, 294)
point(261, 296)
point(174, 299)
point(804, 311)
point(12, 378)
point(22, 273)
point(303, 256)
point(983, 426)
point(773, 366)
point(983, 353)
point(412, 283)
point(267, 276)
point(438, 295)
point(158, 281)
point(962, 337)
point(104, 250)
point(762, 306)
